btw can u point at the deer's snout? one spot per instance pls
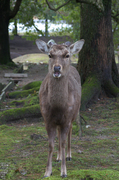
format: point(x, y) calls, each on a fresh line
point(57, 68)
point(57, 71)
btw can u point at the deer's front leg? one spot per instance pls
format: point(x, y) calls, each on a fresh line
point(51, 137)
point(59, 153)
point(64, 133)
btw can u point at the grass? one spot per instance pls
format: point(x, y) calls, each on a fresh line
point(24, 147)
point(32, 58)
point(37, 58)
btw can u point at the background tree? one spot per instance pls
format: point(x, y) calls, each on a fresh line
point(5, 15)
point(115, 26)
point(25, 16)
point(96, 63)
point(31, 10)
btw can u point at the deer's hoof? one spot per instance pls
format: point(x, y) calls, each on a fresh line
point(46, 176)
point(68, 159)
point(64, 176)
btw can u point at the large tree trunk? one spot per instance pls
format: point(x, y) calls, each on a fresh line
point(4, 37)
point(5, 15)
point(96, 60)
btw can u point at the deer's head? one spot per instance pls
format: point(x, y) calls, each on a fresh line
point(59, 55)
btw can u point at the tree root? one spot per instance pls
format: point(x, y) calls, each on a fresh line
point(21, 94)
point(90, 88)
point(111, 89)
point(19, 113)
point(31, 85)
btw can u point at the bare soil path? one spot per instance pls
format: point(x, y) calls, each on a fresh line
point(19, 46)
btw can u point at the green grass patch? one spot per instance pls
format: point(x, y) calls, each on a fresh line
point(24, 147)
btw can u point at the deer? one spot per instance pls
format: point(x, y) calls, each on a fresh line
point(60, 98)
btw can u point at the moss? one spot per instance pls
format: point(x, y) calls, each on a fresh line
point(90, 88)
point(19, 113)
point(17, 103)
point(24, 93)
point(32, 85)
point(26, 102)
point(111, 89)
point(1, 87)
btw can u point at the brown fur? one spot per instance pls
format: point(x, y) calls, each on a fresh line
point(60, 100)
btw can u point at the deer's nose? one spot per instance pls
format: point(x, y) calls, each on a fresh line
point(57, 68)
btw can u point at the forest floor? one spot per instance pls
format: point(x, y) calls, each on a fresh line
point(24, 143)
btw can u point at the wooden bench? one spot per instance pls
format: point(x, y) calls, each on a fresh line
point(15, 75)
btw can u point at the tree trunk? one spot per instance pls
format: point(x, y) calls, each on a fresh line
point(46, 27)
point(4, 38)
point(97, 56)
point(5, 15)
point(15, 31)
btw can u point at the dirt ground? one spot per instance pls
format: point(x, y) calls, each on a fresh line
point(20, 46)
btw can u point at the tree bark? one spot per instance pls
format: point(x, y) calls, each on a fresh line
point(97, 56)
point(4, 37)
point(15, 30)
point(5, 15)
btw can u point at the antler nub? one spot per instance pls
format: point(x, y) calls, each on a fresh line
point(51, 42)
point(68, 43)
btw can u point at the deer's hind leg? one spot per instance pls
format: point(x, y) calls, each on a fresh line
point(51, 136)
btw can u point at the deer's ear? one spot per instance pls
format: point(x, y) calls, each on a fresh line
point(77, 46)
point(42, 46)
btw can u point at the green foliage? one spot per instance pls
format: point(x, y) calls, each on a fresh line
point(29, 10)
point(115, 22)
point(71, 15)
point(64, 31)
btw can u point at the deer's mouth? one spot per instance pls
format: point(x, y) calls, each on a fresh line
point(57, 71)
point(57, 74)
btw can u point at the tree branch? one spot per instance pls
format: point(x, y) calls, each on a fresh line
point(115, 28)
point(56, 9)
point(84, 1)
point(115, 17)
point(38, 30)
point(97, 3)
point(16, 9)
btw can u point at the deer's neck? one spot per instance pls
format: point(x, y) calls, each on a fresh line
point(58, 91)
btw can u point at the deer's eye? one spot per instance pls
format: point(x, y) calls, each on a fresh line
point(67, 56)
point(49, 56)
